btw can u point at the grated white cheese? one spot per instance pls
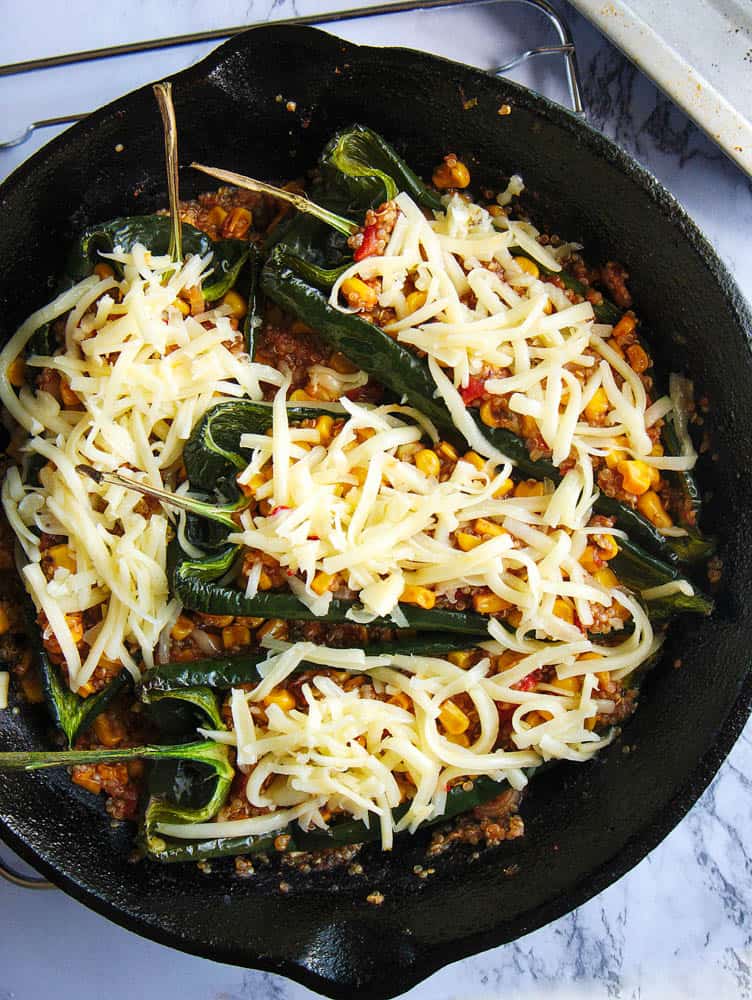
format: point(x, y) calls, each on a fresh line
point(341, 752)
point(485, 317)
point(355, 510)
point(4, 688)
point(143, 374)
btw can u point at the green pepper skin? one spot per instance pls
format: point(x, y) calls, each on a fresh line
point(202, 594)
point(360, 170)
point(198, 695)
point(363, 343)
point(170, 850)
point(225, 672)
point(71, 713)
point(639, 570)
point(213, 455)
point(153, 231)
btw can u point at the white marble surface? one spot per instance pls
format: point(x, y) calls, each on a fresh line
point(679, 925)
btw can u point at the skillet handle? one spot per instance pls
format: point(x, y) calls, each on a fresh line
point(23, 881)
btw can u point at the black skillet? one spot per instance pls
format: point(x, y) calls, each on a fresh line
point(586, 825)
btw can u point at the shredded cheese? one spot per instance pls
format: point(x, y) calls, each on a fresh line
point(4, 687)
point(339, 751)
point(483, 316)
point(143, 374)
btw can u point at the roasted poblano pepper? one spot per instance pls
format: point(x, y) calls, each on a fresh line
point(70, 712)
point(213, 458)
point(225, 672)
point(357, 168)
point(460, 799)
point(397, 367)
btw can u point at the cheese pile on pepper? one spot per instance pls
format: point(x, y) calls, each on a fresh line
point(137, 371)
point(370, 511)
point(466, 289)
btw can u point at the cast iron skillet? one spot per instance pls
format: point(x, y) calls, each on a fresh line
point(586, 825)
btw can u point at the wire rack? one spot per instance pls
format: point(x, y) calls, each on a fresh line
point(565, 49)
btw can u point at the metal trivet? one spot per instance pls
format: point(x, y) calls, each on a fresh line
point(566, 48)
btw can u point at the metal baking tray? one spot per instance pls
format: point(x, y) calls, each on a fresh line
point(698, 51)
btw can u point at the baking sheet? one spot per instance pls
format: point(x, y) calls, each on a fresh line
point(698, 51)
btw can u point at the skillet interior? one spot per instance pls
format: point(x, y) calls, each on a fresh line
point(587, 825)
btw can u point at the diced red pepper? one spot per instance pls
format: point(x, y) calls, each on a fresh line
point(473, 391)
point(276, 510)
point(529, 682)
point(369, 245)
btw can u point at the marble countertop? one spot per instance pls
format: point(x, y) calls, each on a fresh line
point(678, 927)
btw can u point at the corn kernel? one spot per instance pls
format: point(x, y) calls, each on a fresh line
point(452, 718)
point(528, 266)
point(655, 477)
point(638, 358)
point(421, 596)
point(625, 325)
point(657, 450)
point(275, 628)
point(614, 457)
point(299, 396)
point(607, 578)
point(237, 224)
point(564, 610)
point(103, 271)
point(182, 306)
point(598, 406)
point(588, 559)
point(451, 173)
point(280, 697)
point(504, 490)
point(401, 700)
point(635, 476)
point(489, 604)
point(461, 658)
point(488, 414)
point(182, 628)
point(529, 488)
point(428, 462)
point(448, 451)
point(62, 555)
point(461, 739)
point(415, 301)
point(75, 622)
point(537, 718)
point(324, 425)
point(651, 507)
point(607, 547)
point(235, 635)
point(217, 215)
point(265, 581)
point(466, 541)
point(359, 294)
point(569, 683)
point(108, 731)
point(17, 372)
point(4, 622)
point(475, 460)
point(485, 527)
point(238, 305)
point(321, 583)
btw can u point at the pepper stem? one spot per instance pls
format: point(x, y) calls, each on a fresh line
point(221, 514)
point(298, 201)
point(163, 94)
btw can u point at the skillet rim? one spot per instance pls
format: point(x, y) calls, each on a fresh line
point(430, 960)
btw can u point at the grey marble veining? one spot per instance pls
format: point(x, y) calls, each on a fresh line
point(678, 925)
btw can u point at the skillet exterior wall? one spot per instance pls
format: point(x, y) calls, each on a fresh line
point(603, 817)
